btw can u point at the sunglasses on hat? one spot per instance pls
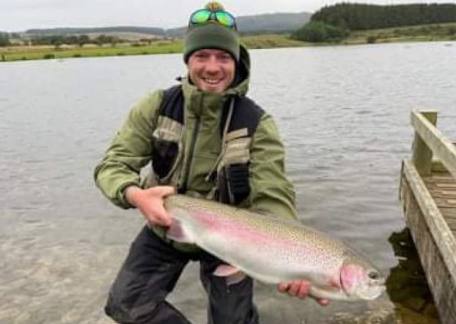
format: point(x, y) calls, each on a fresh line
point(204, 16)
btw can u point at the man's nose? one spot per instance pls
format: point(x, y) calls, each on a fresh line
point(212, 64)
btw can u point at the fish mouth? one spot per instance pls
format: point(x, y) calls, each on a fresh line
point(371, 292)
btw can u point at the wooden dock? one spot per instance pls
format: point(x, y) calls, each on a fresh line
point(428, 196)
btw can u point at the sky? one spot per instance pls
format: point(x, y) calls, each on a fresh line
point(20, 15)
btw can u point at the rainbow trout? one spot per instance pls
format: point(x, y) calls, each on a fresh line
point(272, 250)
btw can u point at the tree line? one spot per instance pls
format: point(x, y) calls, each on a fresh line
point(80, 40)
point(95, 30)
point(58, 40)
point(334, 23)
point(363, 16)
point(4, 39)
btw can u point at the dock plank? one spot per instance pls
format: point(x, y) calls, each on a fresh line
point(442, 187)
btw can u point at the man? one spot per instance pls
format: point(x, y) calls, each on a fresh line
point(204, 138)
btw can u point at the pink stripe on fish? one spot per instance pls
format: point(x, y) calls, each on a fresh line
point(231, 228)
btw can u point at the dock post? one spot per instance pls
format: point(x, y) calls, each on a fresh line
point(422, 155)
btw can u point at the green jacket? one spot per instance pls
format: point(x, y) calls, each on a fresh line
point(131, 149)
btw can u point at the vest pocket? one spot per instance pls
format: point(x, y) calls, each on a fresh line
point(166, 151)
point(233, 173)
point(234, 184)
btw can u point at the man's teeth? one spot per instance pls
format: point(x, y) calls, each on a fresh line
point(212, 81)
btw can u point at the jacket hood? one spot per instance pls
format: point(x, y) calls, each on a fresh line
point(243, 72)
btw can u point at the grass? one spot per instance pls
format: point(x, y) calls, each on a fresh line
point(435, 32)
point(47, 52)
point(421, 33)
point(271, 41)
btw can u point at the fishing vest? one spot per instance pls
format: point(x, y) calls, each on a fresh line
point(230, 174)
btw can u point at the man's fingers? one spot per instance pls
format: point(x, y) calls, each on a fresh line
point(294, 288)
point(164, 217)
point(163, 220)
point(303, 291)
point(300, 289)
point(156, 214)
point(323, 302)
point(283, 287)
point(168, 190)
point(164, 191)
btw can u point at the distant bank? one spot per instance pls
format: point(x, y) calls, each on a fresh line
point(433, 32)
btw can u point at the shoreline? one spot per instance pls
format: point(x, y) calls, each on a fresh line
point(265, 41)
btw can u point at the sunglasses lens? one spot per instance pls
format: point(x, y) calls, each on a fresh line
point(201, 16)
point(224, 18)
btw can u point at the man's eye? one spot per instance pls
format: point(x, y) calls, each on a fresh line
point(201, 55)
point(225, 57)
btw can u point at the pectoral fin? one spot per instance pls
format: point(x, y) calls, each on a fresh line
point(178, 233)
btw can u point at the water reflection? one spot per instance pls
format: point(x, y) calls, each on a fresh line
point(406, 285)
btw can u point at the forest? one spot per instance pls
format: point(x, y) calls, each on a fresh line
point(337, 22)
point(364, 16)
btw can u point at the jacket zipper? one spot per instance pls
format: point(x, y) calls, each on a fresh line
point(188, 165)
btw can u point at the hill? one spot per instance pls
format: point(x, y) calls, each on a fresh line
point(272, 23)
point(265, 23)
point(260, 24)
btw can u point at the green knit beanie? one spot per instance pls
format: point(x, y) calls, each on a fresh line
point(211, 35)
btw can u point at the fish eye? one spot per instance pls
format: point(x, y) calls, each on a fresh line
point(373, 275)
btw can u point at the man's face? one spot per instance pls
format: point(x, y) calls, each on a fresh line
point(211, 70)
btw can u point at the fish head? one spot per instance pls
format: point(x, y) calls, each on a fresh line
point(360, 280)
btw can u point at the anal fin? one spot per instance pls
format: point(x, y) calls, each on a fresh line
point(232, 274)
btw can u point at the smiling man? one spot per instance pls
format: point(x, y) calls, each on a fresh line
point(204, 137)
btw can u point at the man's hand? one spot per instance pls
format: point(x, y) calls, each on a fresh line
point(150, 203)
point(300, 289)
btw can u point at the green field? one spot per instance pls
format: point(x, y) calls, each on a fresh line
point(50, 52)
point(437, 32)
point(421, 33)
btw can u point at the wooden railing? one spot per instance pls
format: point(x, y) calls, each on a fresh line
point(431, 233)
point(429, 142)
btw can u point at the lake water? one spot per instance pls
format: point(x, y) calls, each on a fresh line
point(343, 113)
